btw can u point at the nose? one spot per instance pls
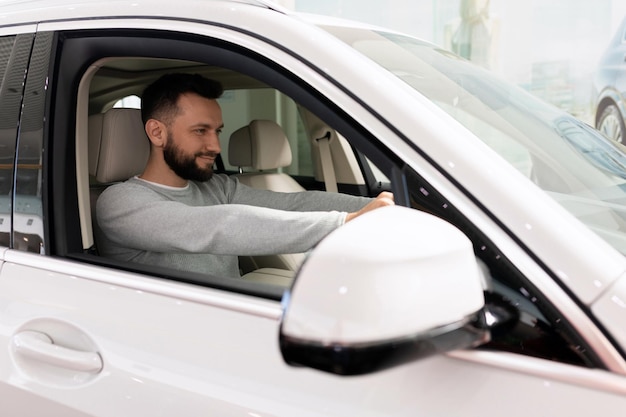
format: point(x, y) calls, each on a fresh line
point(213, 143)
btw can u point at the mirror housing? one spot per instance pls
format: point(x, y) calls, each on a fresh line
point(391, 286)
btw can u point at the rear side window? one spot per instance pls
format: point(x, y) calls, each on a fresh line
point(242, 105)
point(28, 221)
point(14, 56)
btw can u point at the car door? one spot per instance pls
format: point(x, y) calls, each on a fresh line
point(82, 335)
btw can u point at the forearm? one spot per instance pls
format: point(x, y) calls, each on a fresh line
point(300, 201)
point(222, 230)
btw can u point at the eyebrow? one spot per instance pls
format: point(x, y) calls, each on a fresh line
point(207, 125)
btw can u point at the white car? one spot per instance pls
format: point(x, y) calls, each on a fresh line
point(496, 285)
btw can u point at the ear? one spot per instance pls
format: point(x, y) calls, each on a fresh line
point(156, 132)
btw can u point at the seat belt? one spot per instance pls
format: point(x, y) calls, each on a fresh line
point(328, 169)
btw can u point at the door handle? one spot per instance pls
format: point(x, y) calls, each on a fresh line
point(39, 346)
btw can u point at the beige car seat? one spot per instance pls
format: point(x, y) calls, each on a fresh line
point(118, 150)
point(263, 146)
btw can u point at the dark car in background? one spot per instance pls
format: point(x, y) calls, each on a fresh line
point(609, 84)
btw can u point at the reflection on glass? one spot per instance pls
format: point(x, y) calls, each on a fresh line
point(473, 34)
point(28, 213)
point(14, 53)
point(573, 163)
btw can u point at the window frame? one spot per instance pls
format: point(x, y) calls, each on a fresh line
point(76, 50)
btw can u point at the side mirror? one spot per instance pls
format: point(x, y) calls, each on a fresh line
point(391, 286)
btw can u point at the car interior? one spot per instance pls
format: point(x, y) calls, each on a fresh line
point(268, 142)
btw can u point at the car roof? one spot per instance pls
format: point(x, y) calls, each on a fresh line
point(18, 12)
point(37, 4)
point(251, 15)
point(140, 70)
point(34, 11)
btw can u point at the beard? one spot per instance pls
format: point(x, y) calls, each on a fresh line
point(185, 165)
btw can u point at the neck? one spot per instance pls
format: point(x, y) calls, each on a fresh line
point(159, 172)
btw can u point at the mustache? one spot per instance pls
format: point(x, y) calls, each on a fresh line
point(209, 154)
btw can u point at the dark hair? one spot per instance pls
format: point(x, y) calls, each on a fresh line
point(159, 99)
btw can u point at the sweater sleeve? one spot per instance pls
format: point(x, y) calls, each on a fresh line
point(137, 217)
point(296, 201)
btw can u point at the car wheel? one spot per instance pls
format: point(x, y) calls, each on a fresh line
point(611, 124)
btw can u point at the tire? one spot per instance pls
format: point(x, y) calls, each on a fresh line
point(611, 124)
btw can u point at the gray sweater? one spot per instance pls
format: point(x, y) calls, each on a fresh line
point(204, 227)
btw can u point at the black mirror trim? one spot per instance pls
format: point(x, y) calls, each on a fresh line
point(359, 359)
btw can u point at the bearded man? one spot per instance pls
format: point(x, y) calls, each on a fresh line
point(179, 214)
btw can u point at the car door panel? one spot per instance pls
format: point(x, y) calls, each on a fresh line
point(17, 402)
point(166, 354)
point(160, 354)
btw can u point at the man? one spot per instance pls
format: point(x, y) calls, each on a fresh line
point(177, 214)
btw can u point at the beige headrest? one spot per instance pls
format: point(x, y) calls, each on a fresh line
point(118, 145)
point(262, 144)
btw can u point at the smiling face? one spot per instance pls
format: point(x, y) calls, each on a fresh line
point(192, 143)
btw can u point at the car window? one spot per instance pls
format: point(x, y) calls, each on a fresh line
point(128, 102)
point(379, 177)
point(28, 213)
point(240, 106)
point(14, 55)
point(8, 123)
point(573, 163)
point(124, 67)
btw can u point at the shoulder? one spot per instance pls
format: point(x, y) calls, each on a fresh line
point(218, 181)
point(220, 184)
point(131, 189)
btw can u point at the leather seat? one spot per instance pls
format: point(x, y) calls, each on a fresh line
point(263, 146)
point(118, 145)
point(118, 150)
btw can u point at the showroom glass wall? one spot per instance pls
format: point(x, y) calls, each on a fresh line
point(549, 47)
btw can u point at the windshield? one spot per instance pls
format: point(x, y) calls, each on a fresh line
point(572, 162)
